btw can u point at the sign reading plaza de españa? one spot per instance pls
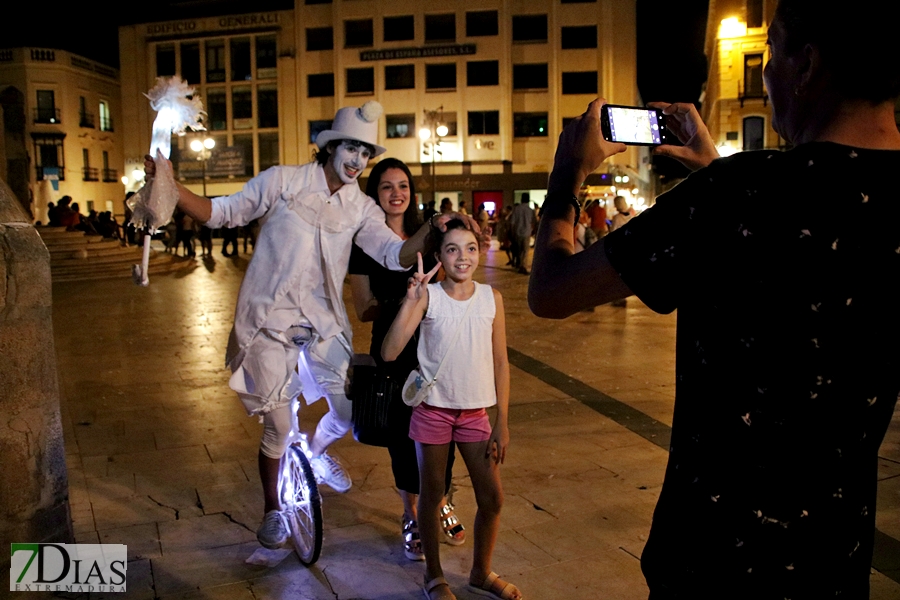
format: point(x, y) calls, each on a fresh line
point(77, 568)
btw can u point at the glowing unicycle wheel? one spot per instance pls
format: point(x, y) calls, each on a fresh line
point(302, 505)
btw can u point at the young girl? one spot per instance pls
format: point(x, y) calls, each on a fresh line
point(473, 376)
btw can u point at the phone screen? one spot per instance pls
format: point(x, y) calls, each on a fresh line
point(633, 125)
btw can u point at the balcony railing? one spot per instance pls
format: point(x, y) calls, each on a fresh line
point(106, 124)
point(90, 174)
point(40, 173)
point(46, 115)
point(753, 92)
point(86, 119)
point(110, 175)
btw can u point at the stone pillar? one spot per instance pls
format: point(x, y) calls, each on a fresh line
point(34, 487)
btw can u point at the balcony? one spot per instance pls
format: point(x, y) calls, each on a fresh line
point(106, 124)
point(90, 174)
point(40, 173)
point(110, 175)
point(86, 119)
point(46, 115)
point(755, 91)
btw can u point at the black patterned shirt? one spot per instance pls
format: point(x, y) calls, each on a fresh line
point(784, 268)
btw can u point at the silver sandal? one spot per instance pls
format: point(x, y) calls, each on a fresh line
point(451, 526)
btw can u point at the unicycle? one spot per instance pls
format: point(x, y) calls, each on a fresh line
point(302, 504)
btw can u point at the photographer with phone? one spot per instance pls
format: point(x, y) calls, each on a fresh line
point(787, 362)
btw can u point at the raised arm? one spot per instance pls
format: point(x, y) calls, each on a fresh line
point(419, 241)
point(198, 207)
point(412, 309)
point(562, 282)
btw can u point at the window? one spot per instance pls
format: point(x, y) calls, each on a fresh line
point(190, 62)
point(400, 77)
point(530, 125)
point(485, 122)
point(240, 60)
point(754, 13)
point(401, 126)
point(46, 107)
point(85, 119)
point(88, 174)
point(268, 150)
point(754, 134)
point(109, 175)
point(165, 60)
point(482, 72)
point(529, 28)
point(315, 127)
point(319, 38)
point(242, 107)
point(358, 34)
point(216, 117)
point(215, 61)
point(440, 77)
point(320, 85)
point(361, 81)
point(245, 143)
point(579, 82)
point(266, 57)
point(106, 122)
point(48, 153)
point(399, 29)
point(481, 23)
point(449, 119)
point(267, 106)
point(753, 76)
point(584, 36)
point(318, 1)
point(530, 76)
point(440, 28)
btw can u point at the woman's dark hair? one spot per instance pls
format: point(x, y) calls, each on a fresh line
point(411, 219)
point(451, 225)
point(857, 43)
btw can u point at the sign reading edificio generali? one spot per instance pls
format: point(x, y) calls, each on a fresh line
point(265, 20)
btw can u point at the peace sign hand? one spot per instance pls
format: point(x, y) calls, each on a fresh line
point(416, 286)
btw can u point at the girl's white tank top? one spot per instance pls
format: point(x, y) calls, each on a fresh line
point(466, 379)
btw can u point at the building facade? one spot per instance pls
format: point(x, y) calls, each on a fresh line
point(736, 104)
point(61, 130)
point(475, 92)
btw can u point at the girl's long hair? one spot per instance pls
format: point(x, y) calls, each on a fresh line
point(411, 219)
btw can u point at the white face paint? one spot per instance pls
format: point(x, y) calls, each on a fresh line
point(349, 159)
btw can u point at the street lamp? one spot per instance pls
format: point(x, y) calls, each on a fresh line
point(203, 148)
point(431, 136)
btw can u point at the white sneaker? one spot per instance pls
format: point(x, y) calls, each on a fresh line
point(273, 532)
point(330, 472)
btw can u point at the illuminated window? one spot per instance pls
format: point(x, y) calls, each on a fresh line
point(106, 122)
point(401, 126)
point(753, 76)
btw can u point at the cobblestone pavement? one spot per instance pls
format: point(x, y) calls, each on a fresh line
point(162, 457)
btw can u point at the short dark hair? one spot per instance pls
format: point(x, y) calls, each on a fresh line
point(857, 43)
point(451, 225)
point(411, 219)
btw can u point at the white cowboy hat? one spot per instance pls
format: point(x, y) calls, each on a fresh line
point(350, 123)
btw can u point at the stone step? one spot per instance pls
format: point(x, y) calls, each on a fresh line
point(90, 252)
point(78, 242)
point(158, 266)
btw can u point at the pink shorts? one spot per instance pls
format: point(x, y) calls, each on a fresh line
point(436, 425)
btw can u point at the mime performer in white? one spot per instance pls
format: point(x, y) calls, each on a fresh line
point(291, 293)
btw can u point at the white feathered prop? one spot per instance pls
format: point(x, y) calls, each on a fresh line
point(177, 108)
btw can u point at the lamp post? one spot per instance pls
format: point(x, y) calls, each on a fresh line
point(203, 148)
point(431, 134)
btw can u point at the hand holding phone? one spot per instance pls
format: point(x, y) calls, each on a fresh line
point(683, 123)
point(634, 125)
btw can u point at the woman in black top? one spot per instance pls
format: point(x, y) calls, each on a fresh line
point(377, 293)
